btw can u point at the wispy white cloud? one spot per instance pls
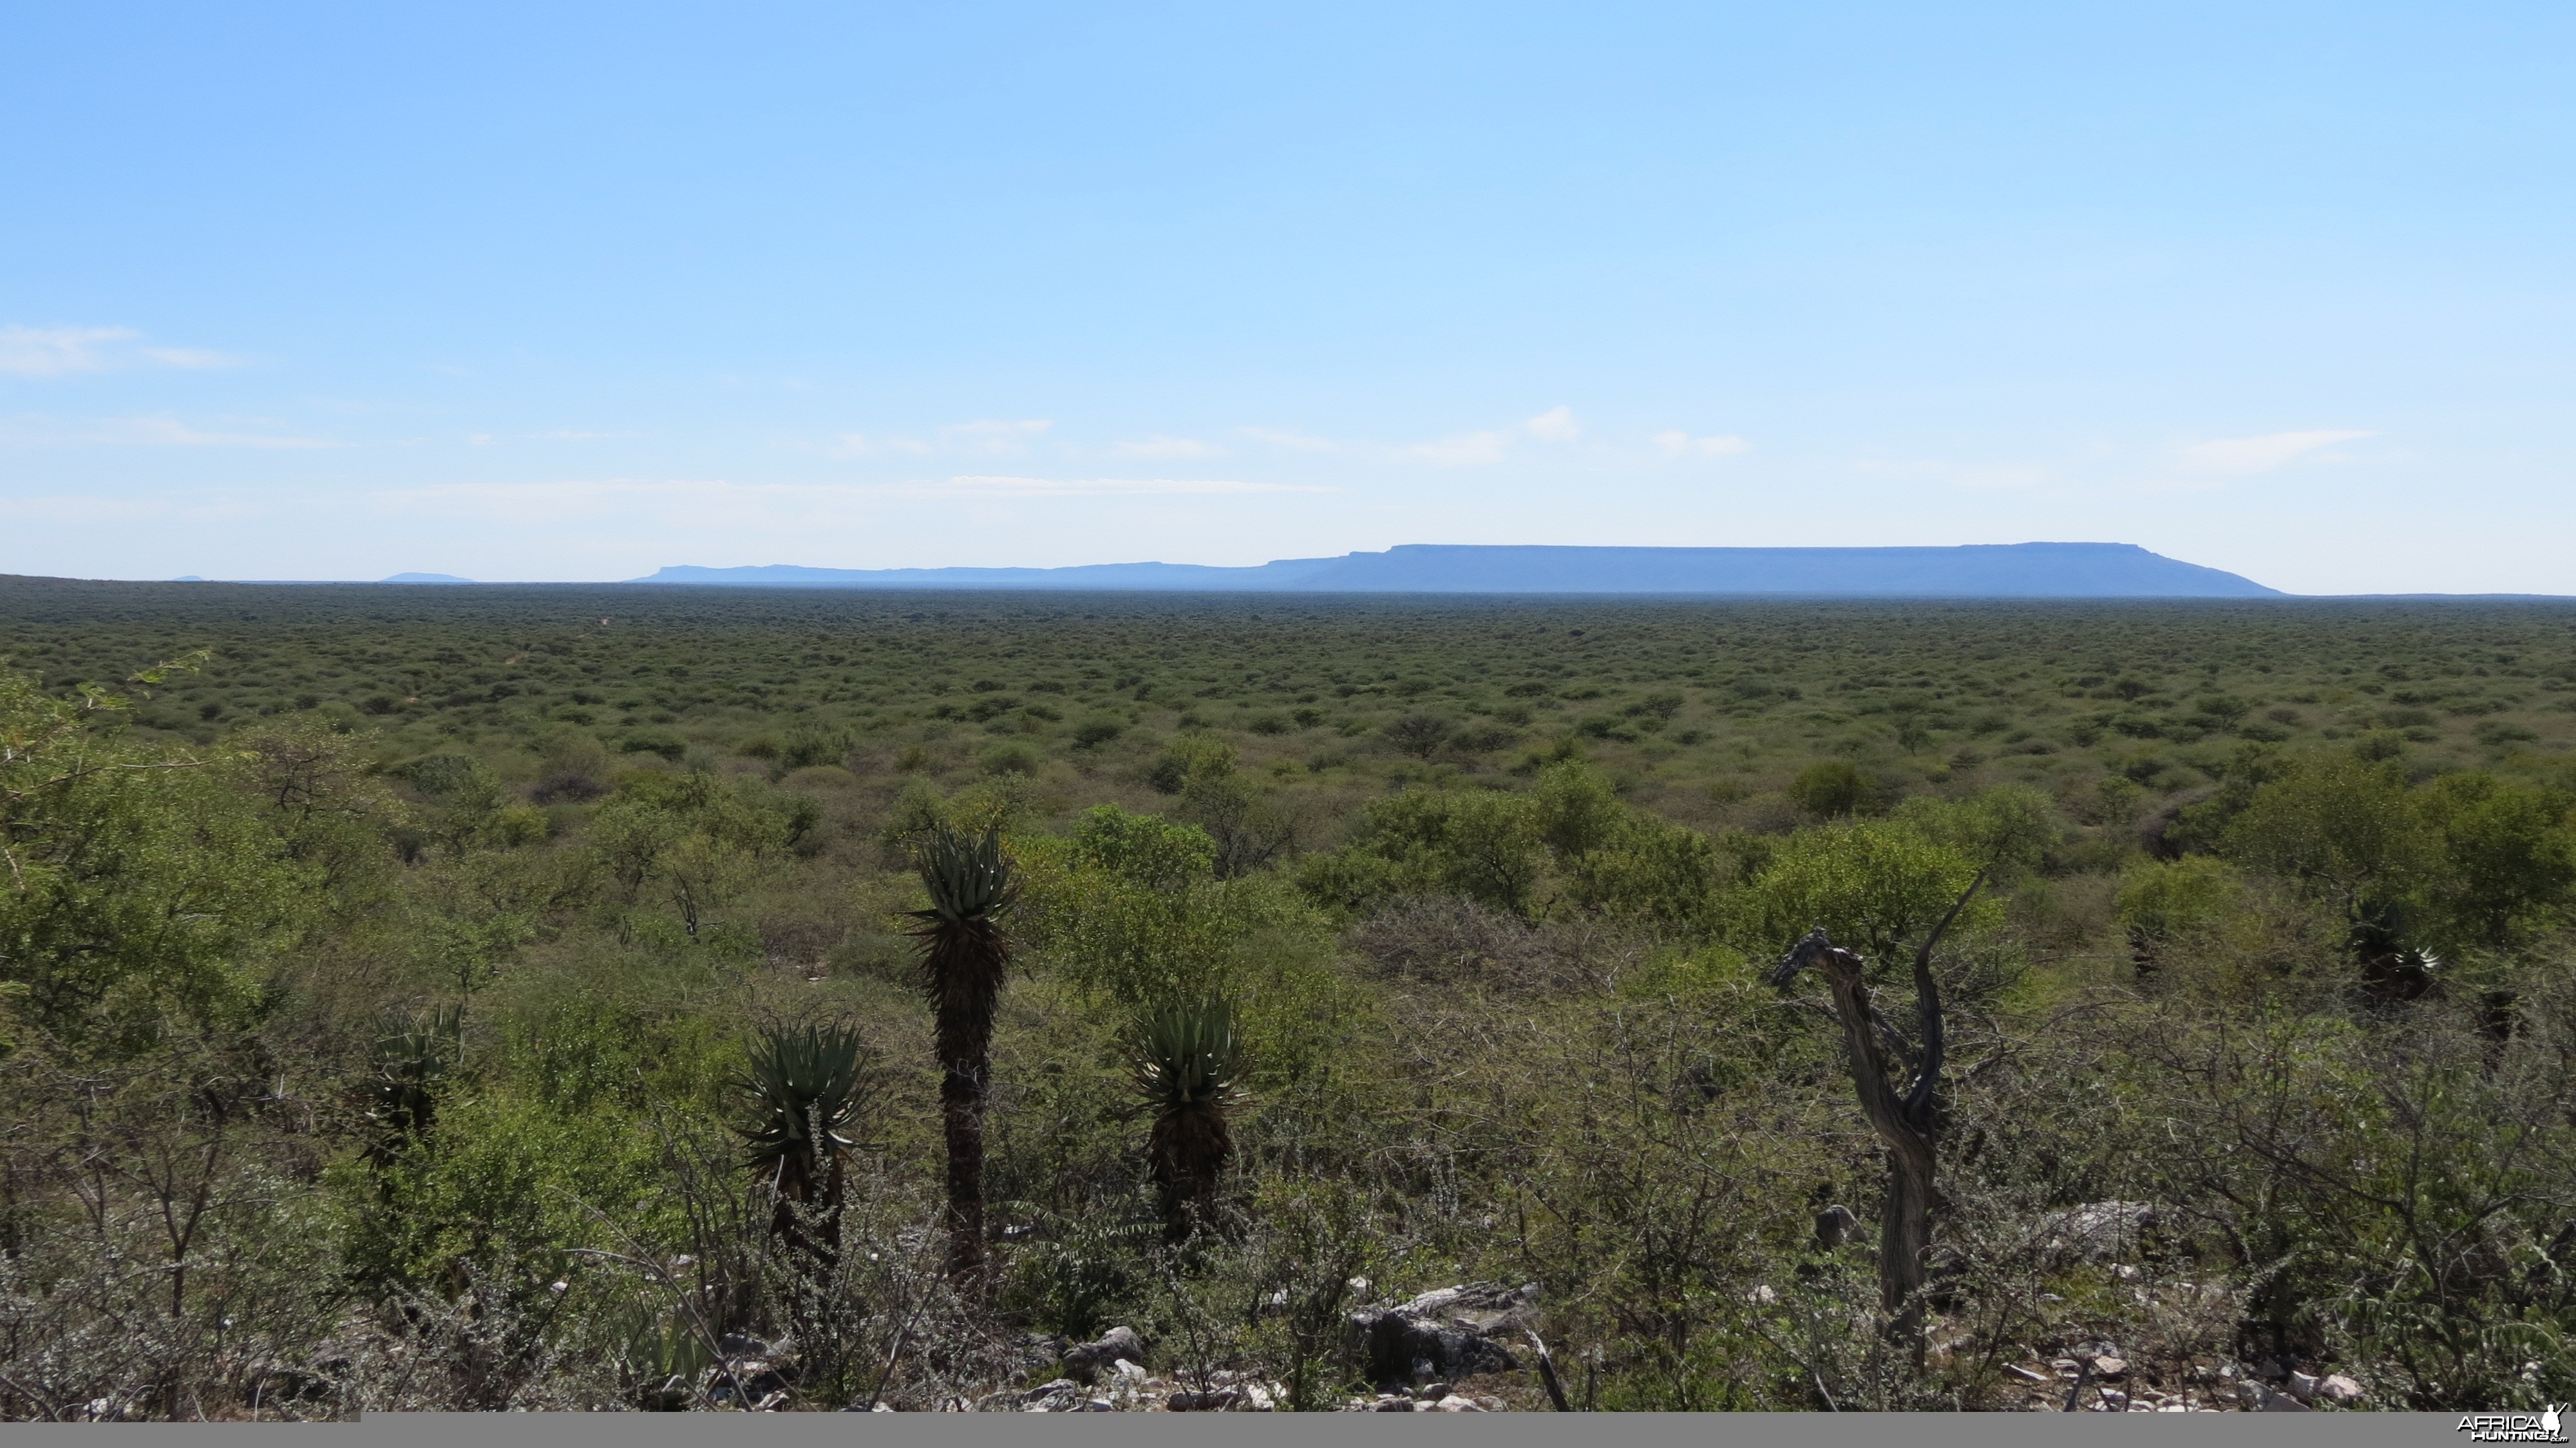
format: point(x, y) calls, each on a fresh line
point(547, 502)
point(1474, 449)
point(1683, 445)
point(989, 437)
point(2001, 477)
point(57, 351)
point(2200, 467)
point(1111, 487)
point(73, 509)
point(160, 431)
point(997, 437)
point(1557, 424)
point(1159, 446)
point(195, 359)
point(2245, 456)
point(1479, 449)
point(862, 445)
point(1282, 437)
point(53, 351)
point(1975, 477)
point(716, 502)
point(170, 432)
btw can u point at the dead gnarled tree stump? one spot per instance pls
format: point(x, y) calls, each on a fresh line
point(1907, 1118)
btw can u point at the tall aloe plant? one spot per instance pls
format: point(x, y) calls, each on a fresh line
point(411, 1066)
point(964, 955)
point(807, 1085)
point(1187, 1062)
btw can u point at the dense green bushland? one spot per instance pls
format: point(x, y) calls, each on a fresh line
point(502, 997)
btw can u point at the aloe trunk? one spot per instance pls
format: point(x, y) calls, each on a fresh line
point(964, 956)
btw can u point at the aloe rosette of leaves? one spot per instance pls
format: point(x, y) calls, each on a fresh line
point(410, 1066)
point(807, 1085)
point(1186, 1060)
point(964, 956)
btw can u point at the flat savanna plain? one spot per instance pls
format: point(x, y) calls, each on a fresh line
point(1704, 710)
point(2259, 1031)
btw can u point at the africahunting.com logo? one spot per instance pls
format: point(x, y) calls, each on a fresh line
point(2540, 1427)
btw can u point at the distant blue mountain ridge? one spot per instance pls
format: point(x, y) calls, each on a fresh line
point(1979, 570)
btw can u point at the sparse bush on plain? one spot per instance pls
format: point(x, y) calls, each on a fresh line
point(456, 1011)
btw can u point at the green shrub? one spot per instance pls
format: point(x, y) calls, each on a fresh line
point(2011, 828)
point(2169, 900)
point(137, 888)
point(1012, 758)
point(669, 746)
point(1875, 886)
point(1480, 844)
point(1146, 849)
point(1831, 789)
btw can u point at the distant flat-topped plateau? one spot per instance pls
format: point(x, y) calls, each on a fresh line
point(1985, 570)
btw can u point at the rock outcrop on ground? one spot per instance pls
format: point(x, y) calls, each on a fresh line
point(1445, 1334)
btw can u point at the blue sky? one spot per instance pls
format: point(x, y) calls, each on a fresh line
point(564, 292)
